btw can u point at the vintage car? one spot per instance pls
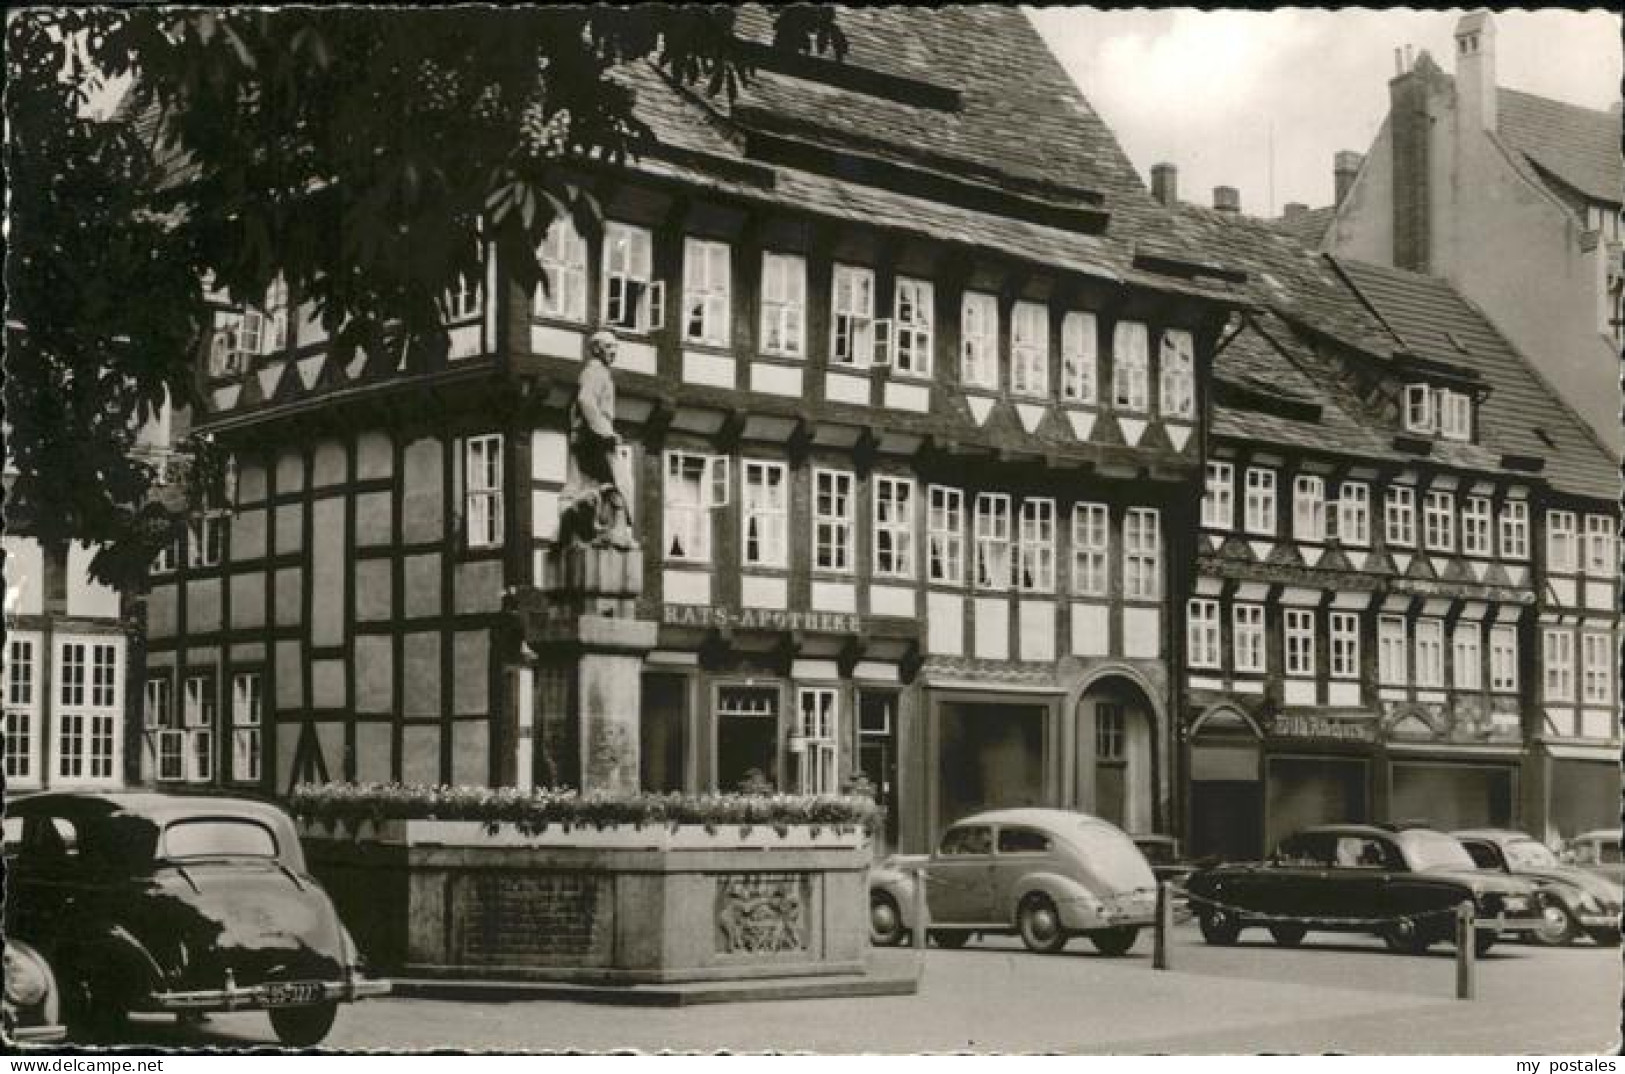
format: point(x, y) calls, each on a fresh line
point(31, 1011)
point(156, 902)
point(1403, 886)
point(1043, 874)
point(1577, 901)
point(1597, 852)
point(1167, 865)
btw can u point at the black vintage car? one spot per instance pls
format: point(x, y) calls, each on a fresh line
point(154, 902)
point(1577, 902)
point(30, 1012)
point(1403, 886)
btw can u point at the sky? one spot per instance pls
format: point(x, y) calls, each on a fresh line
point(1209, 91)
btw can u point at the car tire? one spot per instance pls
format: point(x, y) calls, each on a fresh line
point(885, 921)
point(95, 1009)
point(1039, 924)
point(1288, 935)
point(1404, 938)
point(303, 1027)
point(1558, 926)
point(950, 939)
point(1219, 927)
point(1115, 942)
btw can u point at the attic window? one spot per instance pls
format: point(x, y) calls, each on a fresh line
point(1438, 410)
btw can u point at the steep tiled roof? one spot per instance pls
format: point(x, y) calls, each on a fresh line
point(1308, 227)
point(1522, 414)
point(1580, 146)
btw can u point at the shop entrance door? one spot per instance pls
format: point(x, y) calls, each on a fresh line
point(990, 756)
point(877, 752)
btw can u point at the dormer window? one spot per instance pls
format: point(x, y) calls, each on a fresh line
point(1455, 415)
point(1430, 410)
point(243, 335)
point(1418, 408)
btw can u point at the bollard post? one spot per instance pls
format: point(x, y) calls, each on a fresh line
point(920, 910)
point(1466, 949)
point(1165, 924)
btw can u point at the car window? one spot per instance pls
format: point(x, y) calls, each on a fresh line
point(1483, 854)
point(218, 838)
point(1304, 850)
point(1527, 854)
point(974, 839)
point(48, 838)
point(1360, 852)
point(1608, 853)
point(1022, 841)
point(14, 835)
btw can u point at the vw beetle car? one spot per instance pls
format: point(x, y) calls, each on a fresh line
point(1597, 852)
point(1043, 874)
point(1403, 886)
point(154, 902)
point(32, 1003)
point(1577, 901)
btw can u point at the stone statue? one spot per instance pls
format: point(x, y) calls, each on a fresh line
point(595, 505)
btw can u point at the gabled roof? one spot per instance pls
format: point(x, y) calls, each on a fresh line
point(1579, 146)
point(1523, 415)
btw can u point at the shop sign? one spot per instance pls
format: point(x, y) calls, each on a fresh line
point(1342, 728)
point(777, 619)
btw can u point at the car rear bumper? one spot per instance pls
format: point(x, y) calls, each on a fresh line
point(36, 1034)
point(1599, 921)
point(1503, 924)
point(257, 997)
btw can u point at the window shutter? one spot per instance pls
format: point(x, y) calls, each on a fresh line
point(656, 313)
point(717, 469)
point(883, 342)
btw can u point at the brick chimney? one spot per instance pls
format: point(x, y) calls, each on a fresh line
point(1227, 199)
point(1345, 166)
point(1412, 104)
point(1475, 72)
point(1292, 210)
point(1165, 184)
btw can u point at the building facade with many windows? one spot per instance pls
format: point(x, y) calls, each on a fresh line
point(911, 397)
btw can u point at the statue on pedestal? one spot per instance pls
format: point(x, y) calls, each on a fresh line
point(595, 504)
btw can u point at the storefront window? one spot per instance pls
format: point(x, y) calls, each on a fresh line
point(747, 735)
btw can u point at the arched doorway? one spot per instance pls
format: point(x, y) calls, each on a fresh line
point(1226, 792)
point(1116, 749)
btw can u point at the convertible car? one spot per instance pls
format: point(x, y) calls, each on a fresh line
point(1577, 901)
point(1403, 886)
point(154, 902)
point(1043, 874)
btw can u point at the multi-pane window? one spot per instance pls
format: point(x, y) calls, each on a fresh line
point(992, 524)
point(1110, 719)
point(1475, 526)
point(1392, 651)
point(706, 281)
point(21, 719)
point(765, 512)
point(1258, 509)
point(1467, 656)
point(1079, 357)
point(852, 340)
point(1035, 547)
point(1247, 637)
point(894, 526)
point(87, 710)
point(483, 476)
point(833, 518)
point(1202, 633)
point(1455, 415)
point(818, 715)
point(198, 718)
point(205, 538)
point(1429, 652)
point(1599, 657)
point(945, 534)
point(464, 301)
point(1029, 349)
point(979, 335)
point(165, 735)
point(1345, 645)
point(245, 334)
point(1515, 529)
point(1561, 541)
point(1600, 554)
point(912, 309)
point(694, 485)
point(1400, 516)
point(1178, 374)
point(1142, 554)
point(1503, 658)
point(1419, 413)
point(1308, 508)
point(784, 304)
point(1218, 496)
point(1559, 651)
point(1300, 641)
point(245, 726)
point(1090, 546)
point(1354, 513)
point(1130, 366)
point(562, 291)
point(1439, 521)
point(631, 298)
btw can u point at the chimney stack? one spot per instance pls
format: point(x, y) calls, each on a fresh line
point(1345, 166)
point(1227, 199)
point(1294, 209)
point(1165, 184)
point(1399, 61)
point(1475, 72)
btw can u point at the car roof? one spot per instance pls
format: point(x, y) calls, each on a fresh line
point(1600, 834)
point(1496, 835)
point(152, 804)
point(1033, 815)
point(1349, 829)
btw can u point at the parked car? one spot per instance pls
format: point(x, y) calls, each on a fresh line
point(1577, 901)
point(1042, 874)
point(1167, 864)
point(1403, 886)
point(1597, 852)
point(156, 902)
point(31, 1011)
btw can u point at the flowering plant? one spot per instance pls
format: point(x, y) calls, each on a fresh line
point(534, 811)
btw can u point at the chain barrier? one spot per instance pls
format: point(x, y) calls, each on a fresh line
point(1260, 917)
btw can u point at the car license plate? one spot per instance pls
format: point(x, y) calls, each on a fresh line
point(292, 993)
